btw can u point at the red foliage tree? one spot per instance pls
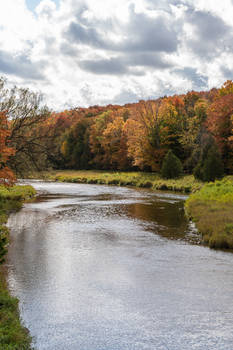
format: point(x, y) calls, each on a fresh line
point(219, 123)
point(7, 176)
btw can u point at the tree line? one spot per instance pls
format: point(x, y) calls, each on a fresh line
point(197, 128)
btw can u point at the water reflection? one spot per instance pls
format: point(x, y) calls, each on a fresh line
point(168, 219)
point(94, 270)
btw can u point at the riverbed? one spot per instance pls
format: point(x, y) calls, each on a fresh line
point(110, 268)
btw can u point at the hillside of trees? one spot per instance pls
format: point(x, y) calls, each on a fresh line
point(194, 126)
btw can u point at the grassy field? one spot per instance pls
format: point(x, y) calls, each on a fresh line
point(211, 209)
point(184, 184)
point(13, 336)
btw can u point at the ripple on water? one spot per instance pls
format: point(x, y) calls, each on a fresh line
point(95, 268)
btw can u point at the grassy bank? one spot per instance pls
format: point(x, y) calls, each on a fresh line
point(16, 193)
point(185, 184)
point(212, 210)
point(13, 336)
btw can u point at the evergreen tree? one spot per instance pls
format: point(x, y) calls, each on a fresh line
point(76, 150)
point(172, 167)
point(210, 166)
point(213, 166)
point(198, 171)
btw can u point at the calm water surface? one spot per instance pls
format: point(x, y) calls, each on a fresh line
point(112, 268)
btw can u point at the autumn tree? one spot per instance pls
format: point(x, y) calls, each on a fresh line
point(96, 138)
point(7, 176)
point(226, 89)
point(55, 126)
point(114, 142)
point(26, 115)
point(190, 100)
point(146, 135)
point(219, 123)
point(172, 114)
point(193, 133)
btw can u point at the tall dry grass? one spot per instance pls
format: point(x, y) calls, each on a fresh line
point(212, 210)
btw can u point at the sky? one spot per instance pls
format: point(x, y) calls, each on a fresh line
point(88, 52)
point(32, 4)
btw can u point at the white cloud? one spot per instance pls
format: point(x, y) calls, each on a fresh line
point(92, 52)
point(46, 8)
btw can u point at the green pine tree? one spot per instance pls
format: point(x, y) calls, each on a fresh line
point(171, 167)
point(213, 166)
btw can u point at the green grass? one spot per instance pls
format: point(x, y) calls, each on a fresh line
point(13, 336)
point(184, 184)
point(212, 210)
point(17, 193)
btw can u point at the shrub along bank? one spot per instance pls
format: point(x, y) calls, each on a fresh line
point(13, 336)
point(212, 210)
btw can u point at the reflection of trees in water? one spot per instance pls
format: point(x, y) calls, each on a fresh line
point(169, 218)
point(27, 228)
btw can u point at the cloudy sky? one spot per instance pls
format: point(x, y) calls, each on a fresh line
point(87, 52)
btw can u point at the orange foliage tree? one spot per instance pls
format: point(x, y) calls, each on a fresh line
point(6, 174)
point(96, 139)
point(114, 143)
point(152, 129)
point(219, 123)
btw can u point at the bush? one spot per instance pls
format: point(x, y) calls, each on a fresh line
point(172, 167)
point(3, 242)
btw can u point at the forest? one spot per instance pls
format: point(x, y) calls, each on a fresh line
point(197, 128)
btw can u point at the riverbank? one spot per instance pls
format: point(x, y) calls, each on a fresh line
point(186, 184)
point(13, 336)
point(210, 206)
point(211, 209)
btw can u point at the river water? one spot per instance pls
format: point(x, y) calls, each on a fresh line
point(113, 268)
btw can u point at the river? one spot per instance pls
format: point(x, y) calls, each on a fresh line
point(110, 268)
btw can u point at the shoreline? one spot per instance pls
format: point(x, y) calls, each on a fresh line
point(13, 334)
point(209, 206)
point(186, 184)
point(211, 209)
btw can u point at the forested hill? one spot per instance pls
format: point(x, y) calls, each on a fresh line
point(133, 136)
